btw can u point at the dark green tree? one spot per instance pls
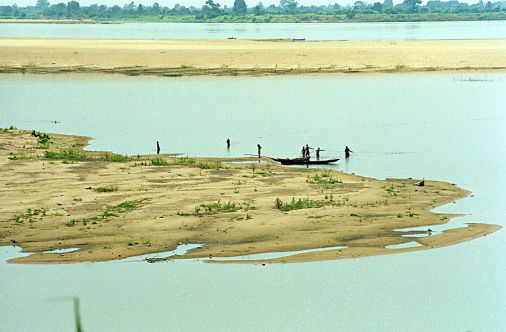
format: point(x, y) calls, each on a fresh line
point(288, 5)
point(240, 7)
point(42, 4)
point(259, 9)
point(156, 8)
point(377, 6)
point(73, 8)
point(211, 9)
point(411, 6)
point(360, 5)
point(387, 4)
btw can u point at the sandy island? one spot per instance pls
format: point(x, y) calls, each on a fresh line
point(149, 204)
point(246, 57)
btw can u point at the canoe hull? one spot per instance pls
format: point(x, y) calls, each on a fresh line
point(304, 161)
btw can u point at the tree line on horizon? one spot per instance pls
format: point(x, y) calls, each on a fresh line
point(286, 11)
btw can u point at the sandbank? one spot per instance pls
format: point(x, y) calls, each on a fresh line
point(149, 204)
point(246, 57)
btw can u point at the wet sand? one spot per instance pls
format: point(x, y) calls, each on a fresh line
point(246, 57)
point(112, 210)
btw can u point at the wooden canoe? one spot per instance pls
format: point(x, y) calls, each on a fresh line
point(304, 161)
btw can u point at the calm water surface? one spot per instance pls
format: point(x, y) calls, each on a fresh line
point(439, 126)
point(309, 31)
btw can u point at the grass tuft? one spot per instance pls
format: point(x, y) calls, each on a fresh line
point(159, 162)
point(107, 189)
point(117, 158)
point(305, 203)
point(185, 161)
point(324, 177)
point(64, 155)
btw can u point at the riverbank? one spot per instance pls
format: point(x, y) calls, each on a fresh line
point(246, 57)
point(57, 196)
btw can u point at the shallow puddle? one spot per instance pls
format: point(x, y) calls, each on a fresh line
point(273, 255)
point(411, 244)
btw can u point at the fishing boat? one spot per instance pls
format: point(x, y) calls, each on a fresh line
point(304, 161)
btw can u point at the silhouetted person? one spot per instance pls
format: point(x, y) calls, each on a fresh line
point(347, 152)
point(303, 151)
point(307, 151)
point(259, 149)
point(228, 143)
point(157, 147)
point(318, 153)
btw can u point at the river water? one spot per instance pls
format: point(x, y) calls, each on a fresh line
point(309, 31)
point(442, 126)
point(439, 126)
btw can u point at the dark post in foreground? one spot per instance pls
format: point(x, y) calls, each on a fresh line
point(77, 314)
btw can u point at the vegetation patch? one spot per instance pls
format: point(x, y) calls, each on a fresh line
point(43, 141)
point(184, 161)
point(324, 177)
point(126, 206)
point(29, 216)
point(109, 212)
point(116, 157)
point(217, 207)
point(216, 165)
point(305, 203)
point(71, 154)
point(107, 189)
point(159, 162)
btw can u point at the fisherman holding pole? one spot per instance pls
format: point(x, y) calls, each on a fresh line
point(318, 153)
point(347, 152)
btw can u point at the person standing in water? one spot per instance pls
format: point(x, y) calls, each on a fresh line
point(157, 147)
point(259, 149)
point(308, 154)
point(347, 152)
point(318, 153)
point(228, 143)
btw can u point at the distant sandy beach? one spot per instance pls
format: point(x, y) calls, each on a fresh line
point(57, 196)
point(246, 57)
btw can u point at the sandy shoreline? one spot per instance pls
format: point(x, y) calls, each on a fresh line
point(246, 57)
point(112, 210)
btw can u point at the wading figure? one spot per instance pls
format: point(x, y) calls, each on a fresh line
point(347, 152)
point(228, 143)
point(259, 149)
point(157, 147)
point(307, 151)
point(318, 153)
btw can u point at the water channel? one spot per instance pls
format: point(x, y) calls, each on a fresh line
point(308, 31)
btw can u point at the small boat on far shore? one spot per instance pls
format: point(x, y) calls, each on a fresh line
point(304, 161)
